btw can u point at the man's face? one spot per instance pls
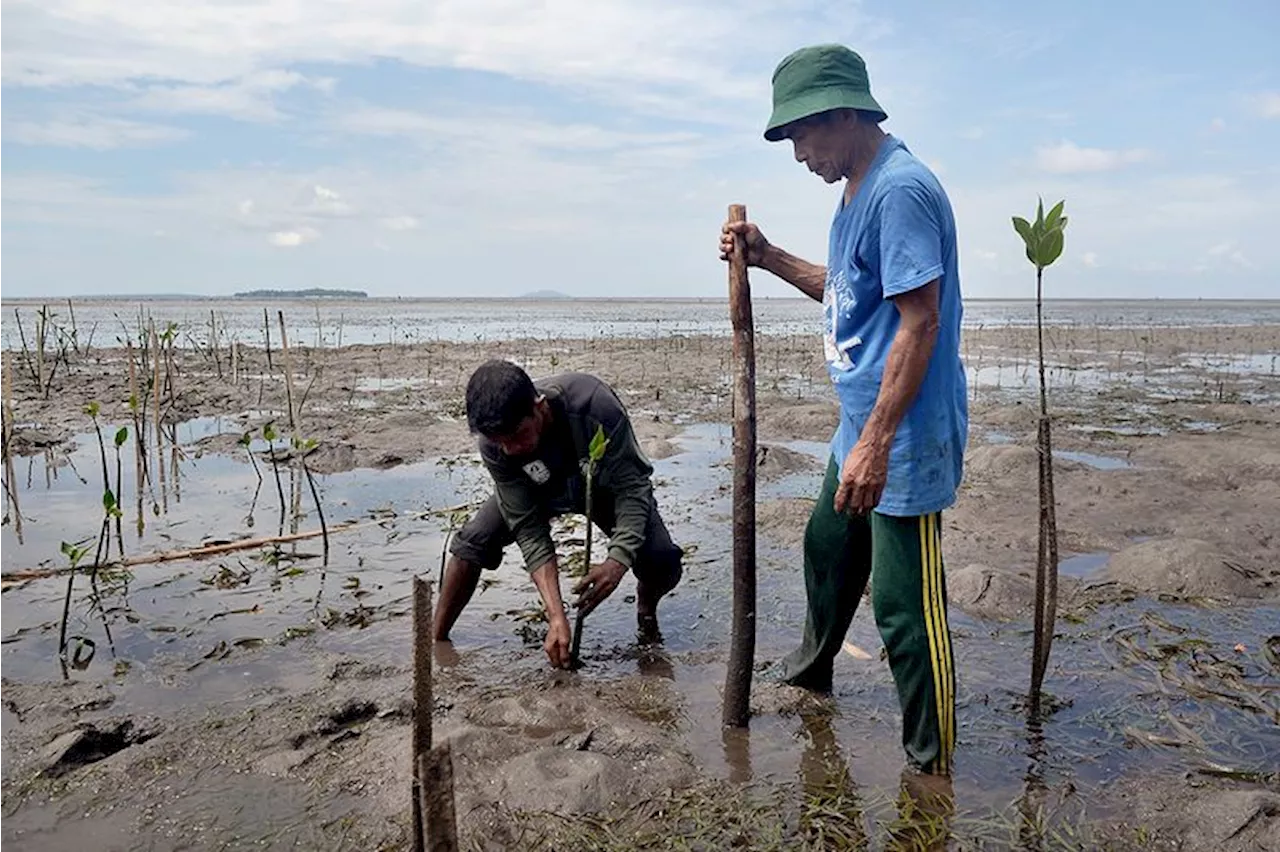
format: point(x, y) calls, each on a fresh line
point(822, 144)
point(525, 438)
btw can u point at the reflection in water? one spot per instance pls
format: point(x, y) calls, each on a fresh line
point(832, 815)
point(1031, 805)
point(926, 806)
point(737, 753)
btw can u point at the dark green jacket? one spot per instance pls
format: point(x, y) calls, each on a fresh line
point(550, 481)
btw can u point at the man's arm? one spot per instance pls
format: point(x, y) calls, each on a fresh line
point(626, 473)
point(906, 364)
point(866, 469)
point(808, 278)
point(532, 529)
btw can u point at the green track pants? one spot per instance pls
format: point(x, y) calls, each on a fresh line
point(903, 559)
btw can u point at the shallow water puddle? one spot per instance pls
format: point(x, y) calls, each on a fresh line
point(1093, 460)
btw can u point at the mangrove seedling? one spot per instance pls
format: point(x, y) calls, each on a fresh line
point(122, 435)
point(74, 553)
point(1043, 239)
point(246, 441)
point(269, 434)
point(302, 447)
point(595, 452)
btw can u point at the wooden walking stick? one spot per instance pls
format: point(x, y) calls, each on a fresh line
point(737, 687)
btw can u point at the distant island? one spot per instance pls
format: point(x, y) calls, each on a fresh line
point(309, 293)
point(546, 294)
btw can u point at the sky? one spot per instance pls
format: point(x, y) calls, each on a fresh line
point(453, 148)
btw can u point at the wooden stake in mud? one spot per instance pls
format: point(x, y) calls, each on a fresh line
point(435, 769)
point(10, 483)
point(266, 327)
point(422, 699)
point(288, 374)
point(155, 386)
point(737, 687)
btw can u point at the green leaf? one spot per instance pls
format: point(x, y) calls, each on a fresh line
point(246, 439)
point(598, 444)
point(1023, 227)
point(92, 409)
point(1051, 220)
point(269, 432)
point(1051, 248)
point(68, 550)
point(1040, 214)
point(122, 436)
point(108, 501)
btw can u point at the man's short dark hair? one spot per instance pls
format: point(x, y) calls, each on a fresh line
point(499, 396)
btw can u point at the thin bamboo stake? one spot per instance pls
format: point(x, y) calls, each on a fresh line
point(41, 322)
point(213, 344)
point(155, 386)
point(266, 326)
point(737, 689)
point(6, 429)
point(288, 373)
point(135, 403)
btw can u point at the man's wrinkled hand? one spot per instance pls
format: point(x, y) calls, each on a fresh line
point(559, 638)
point(753, 241)
point(599, 583)
point(862, 479)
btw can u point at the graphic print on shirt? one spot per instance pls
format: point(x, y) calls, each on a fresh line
point(838, 300)
point(538, 471)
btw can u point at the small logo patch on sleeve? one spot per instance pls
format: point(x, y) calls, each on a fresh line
point(538, 472)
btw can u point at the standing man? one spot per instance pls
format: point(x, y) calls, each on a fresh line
point(891, 303)
point(534, 441)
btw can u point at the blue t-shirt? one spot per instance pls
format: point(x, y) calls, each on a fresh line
point(897, 234)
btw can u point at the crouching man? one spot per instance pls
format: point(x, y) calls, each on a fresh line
point(534, 440)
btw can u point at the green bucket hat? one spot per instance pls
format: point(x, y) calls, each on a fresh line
point(817, 79)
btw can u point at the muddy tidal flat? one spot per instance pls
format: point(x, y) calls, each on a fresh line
point(261, 697)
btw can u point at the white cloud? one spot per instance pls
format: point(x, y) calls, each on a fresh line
point(400, 223)
point(1217, 125)
point(654, 54)
point(503, 130)
point(1090, 259)
point(1225, 251)
point(248, 98)
point(1069, 158)
point(246, 207)
point(94, 132)
point(1266, 104)
point(294, 238)
point(327, 202)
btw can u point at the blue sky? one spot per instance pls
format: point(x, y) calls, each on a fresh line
point(493, 147)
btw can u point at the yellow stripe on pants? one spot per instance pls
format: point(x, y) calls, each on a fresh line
point(941, 644)
point(932, 629)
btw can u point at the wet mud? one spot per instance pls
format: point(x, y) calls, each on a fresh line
point(262, 698)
